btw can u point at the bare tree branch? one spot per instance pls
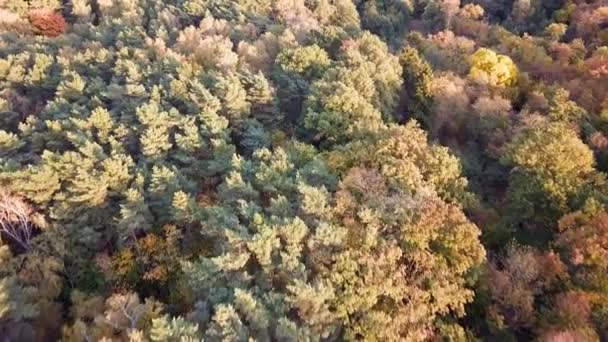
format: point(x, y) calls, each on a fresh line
point(15, 219)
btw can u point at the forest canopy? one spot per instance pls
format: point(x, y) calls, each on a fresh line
point(303, 170)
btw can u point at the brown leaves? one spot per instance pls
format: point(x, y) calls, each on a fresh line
point(597, 66)
point(525, 273)
point(585, 240)
point(48, 23)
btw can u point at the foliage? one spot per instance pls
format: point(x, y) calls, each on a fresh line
point(552, 165)
point(417, 80)
point(492, 68)
point(363, 234)
point(49, 24)
point(303, 170)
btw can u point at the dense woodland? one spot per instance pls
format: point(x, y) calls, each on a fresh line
point(303, 170)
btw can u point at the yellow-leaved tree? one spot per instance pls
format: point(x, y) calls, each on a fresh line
point(490, 68)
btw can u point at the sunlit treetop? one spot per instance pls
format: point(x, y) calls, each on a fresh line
point(488, 67)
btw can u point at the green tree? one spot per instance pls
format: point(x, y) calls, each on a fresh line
point(418, 82)
point(295, 69)
point(552, 167)
point(360, 240)
point(356, 95)
point(386, 18)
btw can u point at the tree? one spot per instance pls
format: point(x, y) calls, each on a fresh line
point(121, 316)
point(356, 95)
point(47, 22)
point(491, 68)
point(29, 289)
point(174, 329)
point(516, 281)
point(494, 126)
point(385, 18)
point(179, 170)
point(449, 8)
point(522, 10)
point(295, 69)
point(15, 221)
point(417, 79)
point(582, 240)
point(551, 166)
point(561, 108)
point(404, 155)
point(366, 251)
point(556, 31)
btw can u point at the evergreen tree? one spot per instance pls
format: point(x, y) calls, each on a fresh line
point(417, 79)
